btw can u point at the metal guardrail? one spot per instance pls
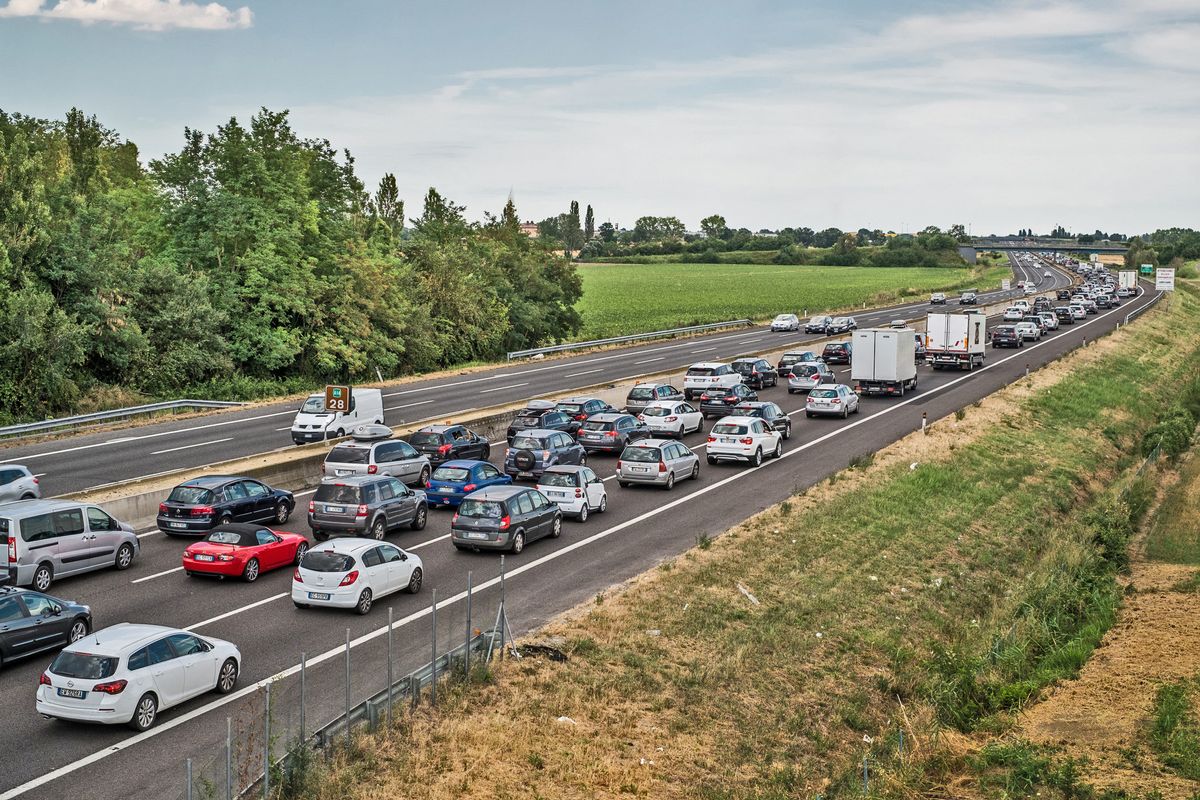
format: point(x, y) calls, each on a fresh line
point(562, 348)
point(1146, 307)
point(116, 413)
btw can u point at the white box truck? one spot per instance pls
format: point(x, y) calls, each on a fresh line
point(955, 341)
point(884, 360)
point(313, 423)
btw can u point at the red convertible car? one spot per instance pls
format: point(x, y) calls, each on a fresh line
point(243, 551)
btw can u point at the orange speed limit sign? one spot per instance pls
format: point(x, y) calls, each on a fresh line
point(337, 398)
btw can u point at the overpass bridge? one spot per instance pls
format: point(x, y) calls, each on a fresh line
point(1057, 245)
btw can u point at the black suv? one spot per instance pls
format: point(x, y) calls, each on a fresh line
point(717, 402)
point(449, 442)
point(32, 622)
point(757, 373)
point(198, 506)
point(1065, 317)
point(1006, 336)
point(543, 418)
point(773, 414)
point(611, 432)
point(836, 353)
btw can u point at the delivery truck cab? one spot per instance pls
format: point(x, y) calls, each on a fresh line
point(313, 423)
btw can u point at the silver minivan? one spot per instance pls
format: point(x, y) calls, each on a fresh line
point(49, 539)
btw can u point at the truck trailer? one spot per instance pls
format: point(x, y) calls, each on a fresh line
point(955, 341)
point(884, 361)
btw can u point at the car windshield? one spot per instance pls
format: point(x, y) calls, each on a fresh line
point(729, 429)
point(640, 454)
point(348, 455)
point(700, 371)
point(314, 405)
point(598, 425)
point(486, 509)
point(326, 561)
point(451, 474)
point(570, 408)
point(336, 493)
point(558, 479)
point(654, 411)
point(86, 666)
point(421, 438)
point(784, 318)
point(817, 320)
point(641, 393)
point(528, 443)
point(224, 537)
point(823, 393)
point(190, 495)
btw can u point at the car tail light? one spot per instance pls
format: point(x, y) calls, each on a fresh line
point(362, 511)
point(202, 511)
point(297, 577)
point(641, 417)
point(712, 439)
point(610, 434)
point(545, 455)
point(835, 400)
point(753, 372)
point(672, 419)
point(470, 487)
point(225, 557)
point(350, 578)
point(444, 449)
point(662, 466)
point(12, 549)
point(111, 687)
point(578, 492)
point(44, 680)
point(454, 519)
point(35, 480)
point(505, 521)
point(618, 470)
point(162, 508)
point(312, 506)
point(747, 440)
point(428, 485)
point(704, 397)
point(372, 469)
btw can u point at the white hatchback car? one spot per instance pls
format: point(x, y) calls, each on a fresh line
point(1014, 314)
point(575, 489)
point(1078, 311)
point(1029, 331)
point(353, 573)
point(837, 400)
point(126, 674)
point(743, 439)
point(785, 322)
point(672, 418)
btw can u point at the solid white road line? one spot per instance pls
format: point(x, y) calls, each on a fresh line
point(237, 611)
point(502, 388)
point(158, 575)
point(190, 446)
point(443, 537)
point(336, 652)
point(704, 349)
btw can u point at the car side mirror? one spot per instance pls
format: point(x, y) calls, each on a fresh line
point(54, 611)
point(403, 556)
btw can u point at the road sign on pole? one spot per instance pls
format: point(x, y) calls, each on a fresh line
point(1164, 279)
point(1147, 269)
point(337, 398)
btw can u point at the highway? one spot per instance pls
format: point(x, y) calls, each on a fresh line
point(94, 460)
point(643, 526)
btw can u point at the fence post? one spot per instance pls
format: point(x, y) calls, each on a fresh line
point(267, 742)
point(303, 692)
point(189, 779)
point(347, 690)
point(414, 689)
point(502, 601)
point(924, 420)
point(467, 643)
point(433, 660)
point(229, 758)
point(389, 674)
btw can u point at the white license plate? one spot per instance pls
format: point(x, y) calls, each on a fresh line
point(472, 535)
point(524, 474)
point(77, 694)
point(334, 509)
point(177, 524)
point(204, 557)
point(341, 472)
point(558, 494)
point(318, 595)
point(641, 469)
point(727, 440)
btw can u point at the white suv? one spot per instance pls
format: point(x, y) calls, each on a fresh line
point(937, 298)
point(1014, 314)
point(708, 375)
point(743, 439)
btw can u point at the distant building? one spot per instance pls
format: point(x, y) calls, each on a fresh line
point(530, 229)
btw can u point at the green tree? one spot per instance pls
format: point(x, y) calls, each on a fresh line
point(714, 226)
point(386, 205)
point(589, 225)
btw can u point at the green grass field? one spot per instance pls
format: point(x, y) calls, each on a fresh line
point(620, 299)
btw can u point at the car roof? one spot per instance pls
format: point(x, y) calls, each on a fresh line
point(748, 358)
point(656, 404)
point(837, 344)
point(347, 546)
point(713, 364)
point(568, 468)
point(25, 507)
point(583, 398)
point(751, 404)
point(210, 481)
point(798, 352)
point(539, 405)
point(538, 433)
point(353, 480)
point(498, 492)
point(651, 443)
point(437, 428)
point(650, 384)
point(463, 463)
point(116, 639)
point(734, 419)
point(611, 416)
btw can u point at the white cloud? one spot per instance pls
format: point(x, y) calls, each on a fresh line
point(1173, 48)
point(155, 15)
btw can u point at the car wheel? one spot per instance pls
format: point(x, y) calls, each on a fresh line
point(28, 496)
point(79, 629)
point(623, 484)
point(364, 602)
point(339, 433)
point(791, 390)
point(424, 477)
point(460, 547)
point(778, 449)
point(696, 471)
point(301, 549)
point(227, 677)
point(378, 528)
point(518, 543)
point(487, 452)
point(583, 460)
point(711, 460)
point(282, 512)
point(43, 576)
point(420, 519)
point(250, 573)
point(679, 433)
point(144, 713)
point(124, 556)
point(189, 573)
point(414, 581)
point(321, 536)
point(225, 519)
point(603, 503)
point(845, 412)
point(670, 484)
point(808, 414)
point(583, 512)
point(787, 431)
point(556, 528)
point(757, 460)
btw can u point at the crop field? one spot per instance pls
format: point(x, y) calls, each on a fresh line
point(621, 299)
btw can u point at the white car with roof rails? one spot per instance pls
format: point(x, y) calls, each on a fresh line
point(575, 489)
point(354, 573)
point(127, 674)
point(1014, 314)
point(708, 375)
point(743, 439)
point(672, 418)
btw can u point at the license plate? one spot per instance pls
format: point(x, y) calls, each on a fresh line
point(558, 494)
point(204, 557)
point(472, 535)
point(334, 509)
point(641, 469)
point(727, 440)
point(341, 472)
point(177, 524)
point(318, 595)
point(524, 474)
point(77, 694)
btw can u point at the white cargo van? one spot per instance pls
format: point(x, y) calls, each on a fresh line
point(313, 423)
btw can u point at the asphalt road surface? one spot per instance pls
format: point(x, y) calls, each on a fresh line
point(643, 526)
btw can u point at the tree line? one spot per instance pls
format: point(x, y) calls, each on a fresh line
point(250, 261)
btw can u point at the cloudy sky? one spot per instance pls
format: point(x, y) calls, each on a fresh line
point(998, 115)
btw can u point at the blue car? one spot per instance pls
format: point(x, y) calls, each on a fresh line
point(454, 480)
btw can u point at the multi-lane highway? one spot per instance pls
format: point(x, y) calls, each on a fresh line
point(642, 527)
point(88, 461)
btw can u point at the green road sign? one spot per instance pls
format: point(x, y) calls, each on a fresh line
point(1147, 269)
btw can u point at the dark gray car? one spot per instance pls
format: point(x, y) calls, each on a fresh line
point(644, 394)
point(504, 518)
point(533, 451)
point(609, 433)
point(365, 505)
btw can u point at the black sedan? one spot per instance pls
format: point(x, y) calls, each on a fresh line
point(450, 442)
point(32, 622)
point(773, 414)
point(757, 373)
point(199, 505)
point(836, 353)
point(1006, 336)
point(538, 417)
point(717, 402)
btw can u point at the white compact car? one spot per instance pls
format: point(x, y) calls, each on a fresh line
point(575, 489)
point(353, 573)
point(743, 439)
point(1029, 331)
point(672, 418)
point(785, 322)
point(126, 674)
point(708, 375)
point(1014, 314)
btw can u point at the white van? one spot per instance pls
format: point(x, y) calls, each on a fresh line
point(313, 423)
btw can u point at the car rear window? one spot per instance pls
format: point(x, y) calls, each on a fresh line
point(823, 393)
point(190, 495)
point(485, 509)
point(653, 411)
point(86, 666)
point(834, 348)
point(747, 411)
point(528, 420)
point(326, 561)
point(804, 370)
point(424, 437)
point(641, 454)
point(336, 493)
point(600, 425)
point(451, 474)
point(570, 408)
point(744, 367)
point(701, 371)
point(729, 429)
point(558, 479)
point(348, 455)
point(641, 393)
point(528, 443)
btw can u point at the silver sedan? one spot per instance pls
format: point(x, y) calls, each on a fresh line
point(808, 376)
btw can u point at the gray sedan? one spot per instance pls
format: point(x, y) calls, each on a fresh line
point(808, 376)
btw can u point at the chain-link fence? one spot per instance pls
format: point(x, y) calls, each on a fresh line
point(295, 716)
